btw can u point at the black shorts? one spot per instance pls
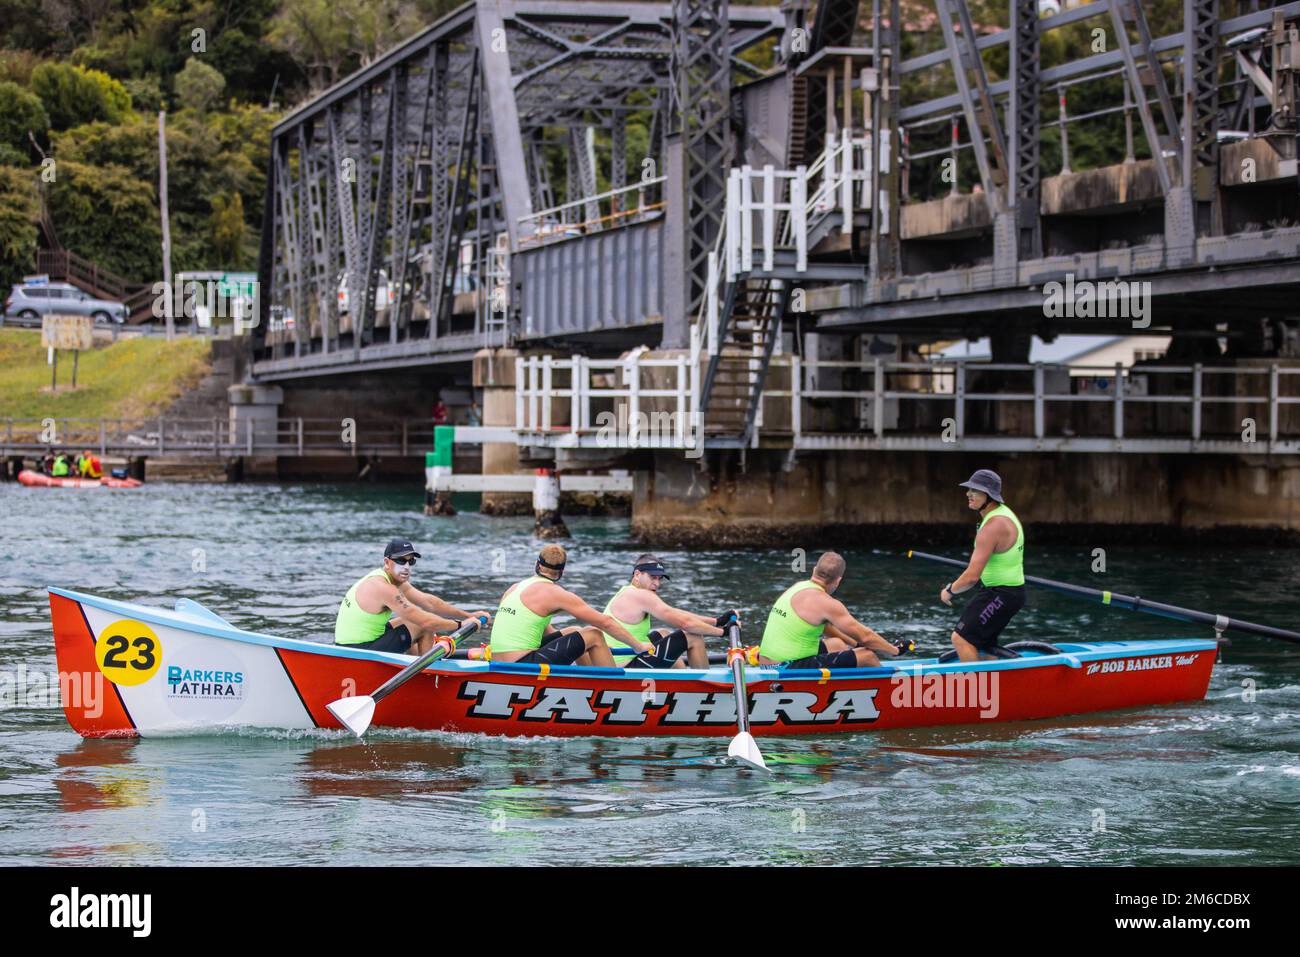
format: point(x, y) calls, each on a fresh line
point(988, 612)
point(825, 659)
point(557, 648)
point(396, 640)
point(668, 648)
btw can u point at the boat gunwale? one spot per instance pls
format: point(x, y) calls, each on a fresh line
point(1073, 653)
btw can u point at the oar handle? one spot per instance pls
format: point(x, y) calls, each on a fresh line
point(1220, 623)
point(439, 650)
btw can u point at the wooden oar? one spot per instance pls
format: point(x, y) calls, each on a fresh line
point(743, 747)
point(1220, 623)
point(355, 713)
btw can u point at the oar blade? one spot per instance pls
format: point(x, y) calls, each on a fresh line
point(354, 713)
point(744, 748)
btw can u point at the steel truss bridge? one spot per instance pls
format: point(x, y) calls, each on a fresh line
point(723, 180)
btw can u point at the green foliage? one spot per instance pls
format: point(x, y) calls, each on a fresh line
point(19, 213)
point(107, 213)
point(146, 93)
point(74, 94)
point(21, 112)
point(198, 85)
point(228, 230)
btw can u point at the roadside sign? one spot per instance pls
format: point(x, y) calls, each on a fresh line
point(67, 332)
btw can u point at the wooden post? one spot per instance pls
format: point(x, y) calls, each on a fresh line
point(166, 223)
point(215, 451)
point(878, 409)
point(1272, 404)
point(796, 399)
point(300, 436)
point(161, 426)
point(248, 435)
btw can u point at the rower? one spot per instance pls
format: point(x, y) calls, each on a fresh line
point(997, 565)
point(383, 611)
point(523, 634)
point(807, 628)
point(637, 602)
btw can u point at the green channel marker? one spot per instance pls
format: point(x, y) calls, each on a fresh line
point(444, 437)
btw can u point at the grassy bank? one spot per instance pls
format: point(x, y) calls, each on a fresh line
point(130, 379)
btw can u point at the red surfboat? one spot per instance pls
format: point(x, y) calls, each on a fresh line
point(128, 669)
point(41, 480)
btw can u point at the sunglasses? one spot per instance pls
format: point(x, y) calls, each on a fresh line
point(408, 560)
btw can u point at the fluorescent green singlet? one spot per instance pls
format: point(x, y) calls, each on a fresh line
point(640, 631)
point(353, 626)
point(788, 637)
point(1005, 568)
point(517, 627)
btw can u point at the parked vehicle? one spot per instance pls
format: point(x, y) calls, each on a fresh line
point(31, 302)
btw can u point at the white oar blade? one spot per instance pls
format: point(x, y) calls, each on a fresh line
point(354, 713)
point(745, 748)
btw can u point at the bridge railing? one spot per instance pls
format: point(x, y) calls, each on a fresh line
point(630, 402)
point(640, 402)
point(217, 436)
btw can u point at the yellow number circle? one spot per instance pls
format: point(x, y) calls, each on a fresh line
point(128, 652)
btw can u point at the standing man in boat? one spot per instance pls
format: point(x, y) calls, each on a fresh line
point(997, 565)
point(807, 628)
point(383, 611)
point(638, 601)
point(522, 632)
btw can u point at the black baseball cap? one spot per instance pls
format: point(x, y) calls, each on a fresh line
point(399, 547)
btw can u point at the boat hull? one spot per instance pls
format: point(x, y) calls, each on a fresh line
point(40, 480)
point(130, 670)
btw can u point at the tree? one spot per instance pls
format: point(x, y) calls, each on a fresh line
point(228, 230)
point(21, 112)
point(19, 213)
point(199, 85)
point(107, 214)
point(73, 95)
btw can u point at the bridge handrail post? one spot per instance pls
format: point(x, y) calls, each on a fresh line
point(960, 395)
point(161, 425)
point(547, 366)
point(103, 438)
point(1039, 427)
point(683, 408)
point(300, 436)
point(1119, 400)
point(769, 216)
point(248, 436)
point(632, 376)
point(1273, 375)
point(796, 398)
point(575, 394)
point(534, 420)
point(215, 437)
point(731, 234)
point(878, 406)
point(746, 218)
point(799, 216)
point(846, 181)
point(519, 391)
point(1197, 375)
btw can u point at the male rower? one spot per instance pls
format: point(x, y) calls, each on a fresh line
point(523, 633)
point(637, 602)
point(383, 611)
point(807, 628)
point(997, 565)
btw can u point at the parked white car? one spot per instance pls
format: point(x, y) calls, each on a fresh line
point(61, 298)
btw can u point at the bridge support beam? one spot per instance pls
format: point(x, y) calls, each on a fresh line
point(494, 373)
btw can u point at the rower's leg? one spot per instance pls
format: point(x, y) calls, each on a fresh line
point(965, 650)
point(588, 635)
point(866, 658)
point(598, 653)
point(697, 656)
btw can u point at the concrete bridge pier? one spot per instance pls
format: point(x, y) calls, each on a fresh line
point(494, 373)
point(254, 414)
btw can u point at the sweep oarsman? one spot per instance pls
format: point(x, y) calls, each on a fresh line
point(637, 602)
point(997, 565)
point(522, 631)
point(383, 611)
point(807, 628)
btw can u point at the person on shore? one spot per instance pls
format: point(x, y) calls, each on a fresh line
point(635, 604)
point(88, 465)
point(997, 565)
point(807, 628)
point(60, 467)
point(523, 633)
point(439, 412)
point(473, 416)
point(383, 611)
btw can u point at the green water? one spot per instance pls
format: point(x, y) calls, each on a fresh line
point(1216, 781)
